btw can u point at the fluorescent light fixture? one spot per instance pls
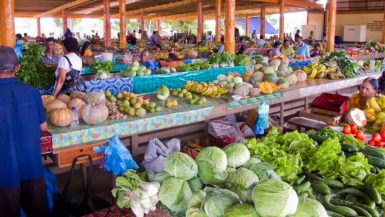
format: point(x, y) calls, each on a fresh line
point(152, 14)
point(206, 6)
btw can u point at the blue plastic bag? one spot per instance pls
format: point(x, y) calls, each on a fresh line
point(117, 158)
point(263, 119)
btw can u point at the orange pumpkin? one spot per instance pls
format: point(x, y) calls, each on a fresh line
point(64, 98)
point(46, 99)
point(55, 104)
point(61, 117)
point(267, 87)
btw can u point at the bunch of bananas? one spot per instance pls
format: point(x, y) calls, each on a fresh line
point(322, 71)
point(375, 111)
point(205, 89)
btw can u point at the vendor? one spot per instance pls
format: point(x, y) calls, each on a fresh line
point(86, 49)
point(302, 49)
point(316, 51)
point(22, 119)
point(367, 90)
point(146, 62)
point(50, 59)
point(242, 46)
point(154, 39)
point(276, 51)
point(287, 50)
point(67, 74)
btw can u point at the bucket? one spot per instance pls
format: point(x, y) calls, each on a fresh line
point(107, 56)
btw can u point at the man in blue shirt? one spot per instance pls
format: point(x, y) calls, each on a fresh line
point(302, 49)
point(146, 62)
point(21, 121)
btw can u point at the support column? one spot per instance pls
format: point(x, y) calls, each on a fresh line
point(38, 27)
point(383, 31)
point(142, 21)
point(122, 17)
point(199, 21)
point(107, 24)
point(218, 32)
point(331, 25)
point(326, 15)
point(230, 26)
point(64, 20)
point(7, 23)
point(247, 25)
point(263, 22)
point(282, 20)
point(158, 27)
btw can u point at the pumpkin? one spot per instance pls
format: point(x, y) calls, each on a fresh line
point(270, 77)
point(292, 79)
point(78, 94)
point(96, 98)
point(46, 99)
point(357, 117)
point(266, 87)
point(61, 117)
point(64, 98)
point(78, 104)
point(301, 75)
point(55, 104)
point(254, 92)
point(283, 83)
point(242, 90)
point(94, 114)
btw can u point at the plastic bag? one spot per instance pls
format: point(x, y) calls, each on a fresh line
point(117, 158)
point(156, 152)
point(228, 130)
point(263, 119)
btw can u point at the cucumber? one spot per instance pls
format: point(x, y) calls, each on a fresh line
point(352, 205)
point(334, 183)
point(317, 138)
point(372, 211)
point(321, 187)
point(375, 161)
point(361, 211)
point(333, 214)
point(343, 210)
point(304, 187)
point(349, 148)
point(373, 152)
point(313, 177)
point(373, 194)
point(300, 179)
point(375, 169)
point(358, 193)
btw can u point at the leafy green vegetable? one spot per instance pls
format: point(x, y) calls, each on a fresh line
point(195, 184)
point(215, 59)
point(128, 182)
point(241, 210)
point(99, 67)
point(264, 171)
point(183, 68)
point(308, 207)
point(32, 70)
point(181, 166)
point(241, 182)
point(218, 200)
point(377, 181)
point(212, 165)
point(274, 198)
point(348, 67)
point(354, 169)
point(242, 60)
point(237, 154)
point(175, 194)
point(227, 58)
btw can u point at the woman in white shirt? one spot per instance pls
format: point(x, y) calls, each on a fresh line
point(67, 74)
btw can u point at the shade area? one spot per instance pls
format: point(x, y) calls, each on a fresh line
point(255, 24)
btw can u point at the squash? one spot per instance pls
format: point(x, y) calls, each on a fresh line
point(78, 104)
point(61, 117)
point(242, 90)
point(248, 74)
point(94, 114)
point(254, 92)
point(270, 77)
point(46, 99)
point(357, 117)
point(64, 98)
point(292, 79)
point(266, 87)
point(78, 94)
point(283, 83)
point(258, 76)
point(55, 104)
point(96, 98)
point(301, 75)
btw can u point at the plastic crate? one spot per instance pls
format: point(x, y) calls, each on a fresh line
point(331, 102)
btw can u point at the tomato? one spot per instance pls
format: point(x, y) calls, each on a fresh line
point(353, 128)
point(360, 135)
point(347, 130)
point(376, 137)
point(372, 143)
point(383, 135)
point(377, 143)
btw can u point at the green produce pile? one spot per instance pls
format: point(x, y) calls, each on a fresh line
point(347, 66)
point(199, 65)
point(32, 70)
point(375, 46)
point(99, 67)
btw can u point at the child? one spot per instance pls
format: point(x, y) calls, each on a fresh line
point(316, 51)
point(21, 121)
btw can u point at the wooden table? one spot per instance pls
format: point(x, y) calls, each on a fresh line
point(137, 142)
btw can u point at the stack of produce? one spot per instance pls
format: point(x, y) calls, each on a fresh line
point(323, 71)
point(188, 96)
point(199, 65)
point(102, 69)
point(375, 46)
point(165, 70)
point(136, 70)
point(346, 65)
point(374, 111)
point(205, 89)
point(226, 59)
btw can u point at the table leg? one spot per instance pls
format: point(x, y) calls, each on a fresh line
point(281, 106)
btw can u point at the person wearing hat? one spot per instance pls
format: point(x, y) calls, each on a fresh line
point(22, 119)
point(67, 74)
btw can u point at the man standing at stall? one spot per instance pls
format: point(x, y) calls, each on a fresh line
point(50, 59)
point(21, 121)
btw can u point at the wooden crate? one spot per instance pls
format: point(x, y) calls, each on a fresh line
point(329, 117)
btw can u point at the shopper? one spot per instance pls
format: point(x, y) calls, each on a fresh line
point(297, 36)
point(310, 39)
point(276, 51)
point(50, 59)
point(261, 41)
point(68, 70)
point(302, 49)
point(316, 51)
point(21, 119)
point(242, 46)
point(287, 50)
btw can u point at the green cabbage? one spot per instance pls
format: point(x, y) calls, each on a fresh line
point(157, 177)
point(175, 193)
point(195, 184)
point(237, 154)
point(195, 212)
point(180, 165)
point(274, 198)
point(241, 182)
point(241, 210)
point(251, 162)
point(264, 171)
point(218, 200)
point(212, 164)
point(308, 207)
